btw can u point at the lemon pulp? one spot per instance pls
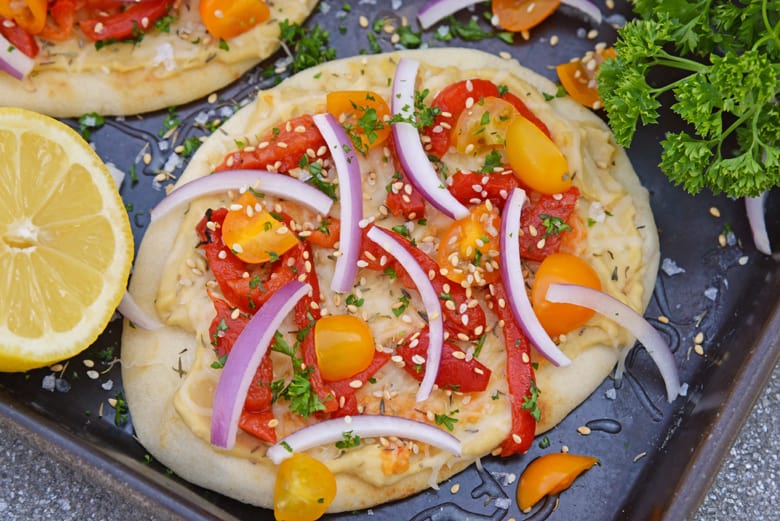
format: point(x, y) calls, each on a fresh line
point(65, 242)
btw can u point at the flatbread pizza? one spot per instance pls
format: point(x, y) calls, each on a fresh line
point(493, 390)
point(67, 58)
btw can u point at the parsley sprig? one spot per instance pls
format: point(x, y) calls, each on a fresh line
point(720, 61)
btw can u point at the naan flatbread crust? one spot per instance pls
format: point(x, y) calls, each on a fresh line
point(165, 69)
point(171, 413)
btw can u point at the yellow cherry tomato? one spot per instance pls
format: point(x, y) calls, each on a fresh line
point(521, 15)
point(484, 124)
point(578, 77)
point(558, 319)
point(363, 113)
point(253, 234)
point(304, 488)
point(535, 159)
point(229, 18)
point(28, 14)
point(469, 247)
point(344, 346)
point(550, 474)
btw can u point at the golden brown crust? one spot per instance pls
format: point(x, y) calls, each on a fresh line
point(163, 70)
point(149, 357)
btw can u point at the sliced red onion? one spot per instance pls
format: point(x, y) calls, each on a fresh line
point(757, 219)
point(512, 276)
point(613, 309)
point(589, 9)
point(413, 158)
point(436, 10)
point(350, 196)
point(130, 309)
point(13, 61)
point(430, 301)
point(244, 358)
point(259, 180)
point(365, 426)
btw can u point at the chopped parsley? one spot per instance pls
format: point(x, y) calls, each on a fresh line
point(399, 309)
point(307, 47)
point(530, 402)
point(447, 421)
point(348, 441)
point(553, 225)
point(90, 122)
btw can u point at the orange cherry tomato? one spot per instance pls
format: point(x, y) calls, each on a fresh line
point(253, 234)
point(229, 18)
point(521, 15)
point(535, 159)
point(28, 14)
point(558, 319)
point(578, 77)
point(484, 124)
point(363, 113)
point(344, 346)
point(550, 474)
point(303, 490)
point(469, 247)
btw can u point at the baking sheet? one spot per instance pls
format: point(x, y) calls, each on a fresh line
point(657, 459)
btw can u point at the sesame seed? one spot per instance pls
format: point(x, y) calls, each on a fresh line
point(663, 319)
point(88, 363)
point(517, 439)
point(554, 40)
point(93, 375)
point(460, 355)
point(714, 211)
point(273, 422)
point(583, 430)
point(698, 349)
point(347, 419)
point(363, 22)
point(418, 360)
point(212, 98)
point(455, 488)
point(356, 384)
point(699, 338)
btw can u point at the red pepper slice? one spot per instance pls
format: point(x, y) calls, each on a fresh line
point(19, 38)
point(59, 25)
point(400, 200)
point(541, 208)
point(455, 372)
point(452, 100)
point(462, 318)
point(281, 150)
point(129, 23)
point(345, 393)
point(520, 378)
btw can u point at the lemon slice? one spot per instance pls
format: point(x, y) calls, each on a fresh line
point(65, 242)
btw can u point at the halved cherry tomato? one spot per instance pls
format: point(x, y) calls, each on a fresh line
point(30, 15)
point(521, 15)
point(454, 98)
point(468, 250)
point(304, 488)
point(344, 345)
point(484, 124)
point(253, 234)
point(550, 474)
point(60, 24)
point(536, 160)
point(363, 113)
point(558, 319)
point(229, 18)
point(578, 77)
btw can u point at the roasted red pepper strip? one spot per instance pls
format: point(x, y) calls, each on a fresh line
point(19, 38)
point(464, 318)
point(345, 393)
point(256, 414)
point(245, 286)
point(59, 25)
point(520, 377)
point(455, 373)
point(281, 150)
point(451, 101)
point(497, 186)
point(400, 200)
point(129, 23)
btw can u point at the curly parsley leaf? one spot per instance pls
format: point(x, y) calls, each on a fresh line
point(720, 62)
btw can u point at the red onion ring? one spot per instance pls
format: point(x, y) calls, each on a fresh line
point(350, 196)
point(436, 10)
point(365, 426)
point(413, 158)
point(130, 309)
point(244, 358)
point(613, 309)
point(259, 180)
point(754, 206)
point(512, 276)
point(590, 10)
point(13, 61)
point(430, 301)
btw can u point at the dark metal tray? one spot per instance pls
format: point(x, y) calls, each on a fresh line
point(657, 459)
